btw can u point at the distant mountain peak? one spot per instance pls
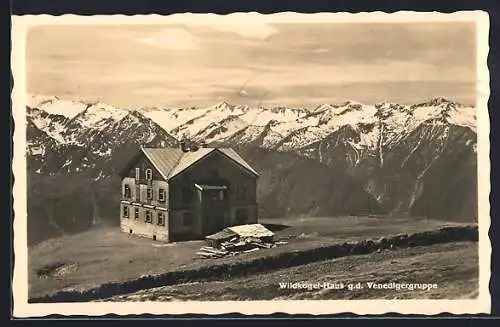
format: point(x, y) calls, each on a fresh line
point(223, 105)
point(323, 106)
point(297, 126)
point(437, 101)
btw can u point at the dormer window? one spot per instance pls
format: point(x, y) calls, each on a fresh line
point(138, 173)
point(149, 174)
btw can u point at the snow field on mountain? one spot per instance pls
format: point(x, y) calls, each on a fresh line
point(286, 129)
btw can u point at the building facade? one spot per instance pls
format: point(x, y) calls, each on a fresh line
point(173, 194)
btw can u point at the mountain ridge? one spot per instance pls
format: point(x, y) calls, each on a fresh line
point(315, 124)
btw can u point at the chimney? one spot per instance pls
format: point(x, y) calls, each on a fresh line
point(184, 146)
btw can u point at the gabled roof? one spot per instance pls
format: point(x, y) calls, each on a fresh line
point(187, 159)
point(236, 157)
point(223, 235)
point(251, 230)
point(164, 159)
point(170, 162)
point(241, 231)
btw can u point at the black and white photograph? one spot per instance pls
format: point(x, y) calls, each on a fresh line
point(250, 163)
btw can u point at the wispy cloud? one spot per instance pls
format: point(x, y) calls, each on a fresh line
point(259, 31)
point(192, 36)
point(320, 50)
point(197, 64)
point(172, 39)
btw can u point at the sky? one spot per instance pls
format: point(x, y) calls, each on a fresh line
point(297, 65)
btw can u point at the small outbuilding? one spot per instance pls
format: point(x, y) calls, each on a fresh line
point(239, 232)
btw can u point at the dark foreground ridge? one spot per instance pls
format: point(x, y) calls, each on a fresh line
point(273, 262)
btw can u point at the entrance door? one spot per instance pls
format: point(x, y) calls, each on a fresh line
point(215, 206)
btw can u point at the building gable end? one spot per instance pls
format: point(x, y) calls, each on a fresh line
point(130, 164)
point(208, 155)
point(251, 172)
point(138, 160)
point(155, 165)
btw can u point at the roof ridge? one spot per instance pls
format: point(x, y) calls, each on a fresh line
point(176, 164)
point(158, 163)
point(170, 175)
point(153, 162)
point(243, 163)
point(172, 161)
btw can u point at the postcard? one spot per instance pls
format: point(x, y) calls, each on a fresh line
point(247, 163)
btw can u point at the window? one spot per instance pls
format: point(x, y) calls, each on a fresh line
point(149, 193)
point(161, 195)
point(242, 193)
point(136, 213)
point(125, 211)
point(149, 219)
point(241, 215)
point(161, 219)
point(186, 195)
point(149, 174)
point(187, 220)
point(138, 173)
point(217, 195)
point(126, 191)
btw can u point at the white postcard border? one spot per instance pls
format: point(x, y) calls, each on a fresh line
point(20, 26)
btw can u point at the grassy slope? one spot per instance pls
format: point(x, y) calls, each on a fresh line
point(105, 255)
point(452, 266)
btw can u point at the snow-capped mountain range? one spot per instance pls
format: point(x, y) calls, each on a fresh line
point(333, 159)
point(280, 128)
